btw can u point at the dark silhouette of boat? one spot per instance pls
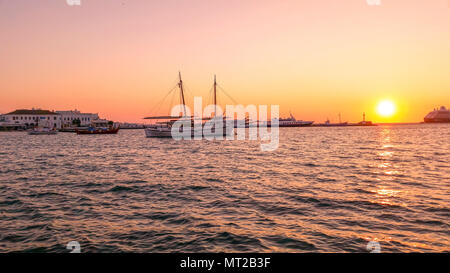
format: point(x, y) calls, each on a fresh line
point(327, 123)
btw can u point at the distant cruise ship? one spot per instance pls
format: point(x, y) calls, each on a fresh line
point(438, 116)
point(292, 122)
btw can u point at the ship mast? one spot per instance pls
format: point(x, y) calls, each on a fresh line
point(183, 102)
point(215, 96)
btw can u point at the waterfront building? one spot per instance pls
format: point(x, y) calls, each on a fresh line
point(24, 118)
point(75, 117)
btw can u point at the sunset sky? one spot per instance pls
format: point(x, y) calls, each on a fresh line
point(315, 58)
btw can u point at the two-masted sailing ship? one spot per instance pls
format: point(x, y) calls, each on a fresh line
point(163, 127)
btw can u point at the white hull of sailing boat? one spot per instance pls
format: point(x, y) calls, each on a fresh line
point(167, 132)
point(158, 132)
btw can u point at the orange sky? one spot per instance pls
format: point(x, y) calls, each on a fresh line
point(314, 58)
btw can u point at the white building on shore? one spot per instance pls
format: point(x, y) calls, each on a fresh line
point(31, 118)
point(70, 118)
point(24, 118)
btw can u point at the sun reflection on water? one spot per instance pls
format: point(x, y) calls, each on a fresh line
point(384, 193)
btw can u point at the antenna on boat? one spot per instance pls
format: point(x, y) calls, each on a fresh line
point(183, 102)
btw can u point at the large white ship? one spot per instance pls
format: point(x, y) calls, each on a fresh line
point(293, 122)
point(440, 115)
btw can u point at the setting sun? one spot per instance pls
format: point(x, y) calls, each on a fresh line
point(386, 108)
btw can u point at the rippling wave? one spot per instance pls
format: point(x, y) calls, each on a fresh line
point(323, 190)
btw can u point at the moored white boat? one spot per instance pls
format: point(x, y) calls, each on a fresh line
point(206, 129)
point(42, 131)
point(159, 130)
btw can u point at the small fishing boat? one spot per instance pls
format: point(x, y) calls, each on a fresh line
point(72, 129)
point(328, 123)
point(42, 131)
point(98, 131)
point(99, 127)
